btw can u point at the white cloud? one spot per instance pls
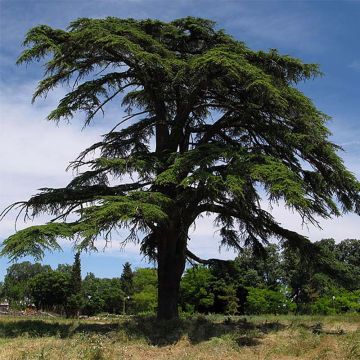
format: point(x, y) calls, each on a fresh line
point(355, 65)
point(34, 152)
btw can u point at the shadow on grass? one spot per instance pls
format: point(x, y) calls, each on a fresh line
point(243, 332)
point(159, 333)
point(41, 328)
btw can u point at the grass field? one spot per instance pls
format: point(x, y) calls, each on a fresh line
point(211, 337)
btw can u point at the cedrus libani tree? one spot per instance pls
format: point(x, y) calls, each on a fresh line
point(210, 127)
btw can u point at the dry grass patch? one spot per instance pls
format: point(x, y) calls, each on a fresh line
point(208, 338)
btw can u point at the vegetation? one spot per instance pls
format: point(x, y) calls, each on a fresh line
point(16, 283)
point(274, 338)
point(50, 290)
point(211, 127)
point(280, 282)
point(127, 279)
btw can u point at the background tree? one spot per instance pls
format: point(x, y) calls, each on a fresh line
point(322, 274)
point(93, 301)
point(348, 251)
point(2, 293)
point(214, 127)
point(16, 282)
point(66, 268)
point(197, 293)
point(126, 278)
point(230, 300)
point(264, 301)
point(76, 275)
point(74, 301)
point(50, 290)
point(259, 269)
point(144, 299)
point(113, 295)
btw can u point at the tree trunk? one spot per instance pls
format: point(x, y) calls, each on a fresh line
point(171, 264)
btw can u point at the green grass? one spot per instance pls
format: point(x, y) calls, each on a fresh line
point(198, 337)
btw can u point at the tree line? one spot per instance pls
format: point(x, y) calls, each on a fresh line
point(279, 280)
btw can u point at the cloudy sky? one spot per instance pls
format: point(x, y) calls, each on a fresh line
point(34, 153)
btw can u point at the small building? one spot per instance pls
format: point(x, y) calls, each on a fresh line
point(4, 306)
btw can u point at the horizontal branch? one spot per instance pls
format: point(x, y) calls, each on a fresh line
point(266, 222)
point(193, 257)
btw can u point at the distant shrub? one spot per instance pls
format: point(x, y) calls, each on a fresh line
point(340, 302)
point(265, 301)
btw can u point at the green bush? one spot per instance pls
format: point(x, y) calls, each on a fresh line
point(195, 290)
point(339, 302)
point(264, 301)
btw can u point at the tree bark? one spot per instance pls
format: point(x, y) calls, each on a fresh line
point(171, 264)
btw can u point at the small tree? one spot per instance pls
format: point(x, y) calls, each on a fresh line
point(144, 298)
point(50, 290)
point(92, 295)
point(17, 279)
point(230, 300)
point(196, 290)
point(76, 275)
point(74, 300)
point(127, 277)
point(214, 127)
point(2, 293)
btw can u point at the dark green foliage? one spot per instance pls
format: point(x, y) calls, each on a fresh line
point(2, 293)
point(102, 295)
point(225, 122)
point(263, 283)
point(74, 301)
point(224, 286)
point(196, 290)
point(66, 268)
point(230, 300)
point(348, 252)
point(76, 275)
point(248, 285)
point(16, 282)
point(108, 295)
point(312, 277)
point(259, 269)
point(93, 302)
point(126, 278)
point(50, 290)
point(175, 73)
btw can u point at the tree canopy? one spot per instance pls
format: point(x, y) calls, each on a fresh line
point(211, 127)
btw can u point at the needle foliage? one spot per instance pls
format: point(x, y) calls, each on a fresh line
point(211, 127)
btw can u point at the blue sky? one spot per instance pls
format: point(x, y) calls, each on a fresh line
point(34, 153)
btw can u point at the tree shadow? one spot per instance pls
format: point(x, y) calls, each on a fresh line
point(318, 329)
point(159, 333)
point(33, 328)
point(154, 331)
point(243, 332)
point(41, 328)
point(197, 330)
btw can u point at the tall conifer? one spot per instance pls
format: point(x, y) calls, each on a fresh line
point(211, 127)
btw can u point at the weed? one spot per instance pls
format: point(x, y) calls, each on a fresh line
point(197, 337)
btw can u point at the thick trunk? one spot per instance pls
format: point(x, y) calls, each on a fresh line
point(171, 264)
